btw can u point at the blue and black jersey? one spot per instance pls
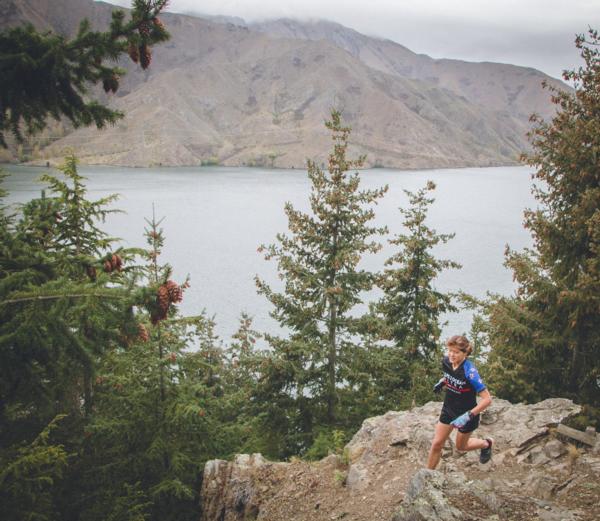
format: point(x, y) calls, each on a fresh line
point(462, 386)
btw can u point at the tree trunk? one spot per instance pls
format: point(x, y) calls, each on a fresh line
point(575, 369)
point(331, 395)
point(87, 391)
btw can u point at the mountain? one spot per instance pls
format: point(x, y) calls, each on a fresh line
point(237, 94)
point(500, 87)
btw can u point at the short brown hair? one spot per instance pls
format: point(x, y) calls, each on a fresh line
point(461, 343)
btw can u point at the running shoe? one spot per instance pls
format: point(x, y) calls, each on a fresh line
point(486, 454)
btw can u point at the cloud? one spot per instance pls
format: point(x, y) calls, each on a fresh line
point(533, 33)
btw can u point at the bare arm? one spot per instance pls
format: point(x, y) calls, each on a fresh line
point(484, 402)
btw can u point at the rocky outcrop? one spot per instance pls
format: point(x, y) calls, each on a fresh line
point(536, 473)
point(229, 486)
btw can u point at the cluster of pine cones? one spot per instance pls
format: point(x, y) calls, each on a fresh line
point(141, 54)
point(167, 294)
point(111, 84)
point(111, 263)
point(115, 263)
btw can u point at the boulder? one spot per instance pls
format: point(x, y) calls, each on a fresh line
point(425, 500)
point(554, 449)
point(541, 484)
point(228, 488)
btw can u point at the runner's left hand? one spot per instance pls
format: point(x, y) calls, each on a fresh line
point(461, 421)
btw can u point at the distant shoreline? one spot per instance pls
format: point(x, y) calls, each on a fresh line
point(56, 164)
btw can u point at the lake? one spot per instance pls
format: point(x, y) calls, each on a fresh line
point(216, 217)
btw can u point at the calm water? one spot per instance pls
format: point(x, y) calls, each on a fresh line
point(215, 218)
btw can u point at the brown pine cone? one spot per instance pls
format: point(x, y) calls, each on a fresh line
point(134, 52)
point(111, 84)
point(91, 272)
point(163, 298)
point(143, 333)
point(107, 266)
point(158, 24)
point(175, 293)
point(145, 56)
point(116, 262)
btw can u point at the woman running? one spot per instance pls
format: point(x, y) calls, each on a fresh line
point(460, 410)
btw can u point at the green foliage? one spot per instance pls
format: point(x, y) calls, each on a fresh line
point(318, 263)
point(89, 332)
point(153, 427)
point(160, 410)
point(327, 442)
point(211, 161)
point(411, 306)
point(58, 309)
point(131, 505)
point(340, 477)
point(408, 316)
point(44, 75)
point(28, 476)
point(545, 339)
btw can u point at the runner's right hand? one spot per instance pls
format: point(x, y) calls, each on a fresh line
point(437, 388)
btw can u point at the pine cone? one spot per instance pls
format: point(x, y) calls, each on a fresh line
point(107, 266)
point(143, 333)
point(163, 298)
point(157, 316)
point(145, 56)
point(116, 262)
point(175, 292)
point(158, 24)
point(111, 84)
point(91, 272)
point(167, 294)
point(134, 53)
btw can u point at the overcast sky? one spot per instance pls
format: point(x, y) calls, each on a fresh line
point(532, 33)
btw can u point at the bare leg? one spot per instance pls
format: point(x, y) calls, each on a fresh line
point(464, 442)
point(442, 432)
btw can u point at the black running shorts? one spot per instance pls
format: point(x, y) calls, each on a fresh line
point(447, 415)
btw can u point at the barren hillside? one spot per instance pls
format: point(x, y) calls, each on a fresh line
point(237, 95)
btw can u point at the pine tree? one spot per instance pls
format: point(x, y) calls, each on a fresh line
point(544, 340)
point(241, 410)
point(58, 308)
point(157, 408)
point(319, 264)
point(59, 313)
point(44, 74)
point(411, 308)
point(241, 355)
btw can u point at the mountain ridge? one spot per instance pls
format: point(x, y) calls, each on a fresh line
point(257, 95)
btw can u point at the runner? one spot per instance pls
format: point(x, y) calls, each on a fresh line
point(460, 410)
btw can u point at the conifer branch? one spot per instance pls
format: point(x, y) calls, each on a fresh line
point(40, 298)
